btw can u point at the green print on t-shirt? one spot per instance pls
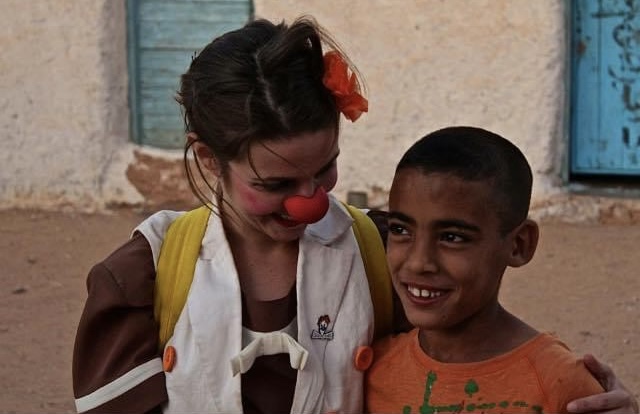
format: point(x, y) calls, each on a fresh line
point(470, 389)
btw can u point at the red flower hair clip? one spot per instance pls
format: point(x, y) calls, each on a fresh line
point(343, 86)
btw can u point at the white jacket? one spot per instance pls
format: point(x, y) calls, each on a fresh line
point(331, 281)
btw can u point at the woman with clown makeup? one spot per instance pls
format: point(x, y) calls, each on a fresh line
point(278, 316)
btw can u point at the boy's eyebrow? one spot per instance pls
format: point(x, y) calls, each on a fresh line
point(446, 223)
point(460, 224)
point(400, 216)
point(322, 169)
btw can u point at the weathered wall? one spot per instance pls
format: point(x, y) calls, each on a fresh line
point(64, 115)
point(498, 64)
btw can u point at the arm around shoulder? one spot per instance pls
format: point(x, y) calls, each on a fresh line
point(562, 375)
point(116, 363)
point(616, 398)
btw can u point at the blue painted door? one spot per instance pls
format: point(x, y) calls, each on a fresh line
point(163, 36)
point(605, 89)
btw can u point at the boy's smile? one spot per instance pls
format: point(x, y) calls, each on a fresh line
point(445, 251)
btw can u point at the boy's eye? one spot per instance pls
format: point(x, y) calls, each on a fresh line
point(397, 229)
point(452, 237)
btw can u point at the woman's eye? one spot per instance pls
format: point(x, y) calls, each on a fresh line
point(273, 187)
point(327, 168)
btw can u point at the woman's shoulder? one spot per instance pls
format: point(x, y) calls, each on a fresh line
point(135, 251)
point(156, 225)
point(129, 269)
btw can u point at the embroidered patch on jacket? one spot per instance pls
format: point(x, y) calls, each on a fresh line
point(323, 331)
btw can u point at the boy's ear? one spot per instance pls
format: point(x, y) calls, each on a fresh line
point(205, 156)
point(524, 243)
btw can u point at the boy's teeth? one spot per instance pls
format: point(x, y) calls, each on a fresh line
point(423, 293)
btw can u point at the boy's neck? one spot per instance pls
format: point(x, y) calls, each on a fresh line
point(477, 340)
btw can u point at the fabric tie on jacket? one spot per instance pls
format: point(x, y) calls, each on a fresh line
point(269, 343)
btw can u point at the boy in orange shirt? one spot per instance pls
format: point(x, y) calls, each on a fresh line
point(458, 211)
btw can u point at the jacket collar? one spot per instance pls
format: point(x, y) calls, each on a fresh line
point(331, 227)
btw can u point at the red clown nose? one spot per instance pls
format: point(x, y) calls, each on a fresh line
point(307, 209)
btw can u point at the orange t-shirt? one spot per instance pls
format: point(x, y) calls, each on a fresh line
point(540, 376)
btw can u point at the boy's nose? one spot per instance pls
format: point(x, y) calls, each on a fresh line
point(422, 258)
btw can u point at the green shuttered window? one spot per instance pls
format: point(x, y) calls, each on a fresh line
point(163, 36)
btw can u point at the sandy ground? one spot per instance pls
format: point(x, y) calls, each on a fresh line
point(583, 284)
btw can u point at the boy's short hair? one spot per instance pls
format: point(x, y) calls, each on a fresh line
point(475, 154)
